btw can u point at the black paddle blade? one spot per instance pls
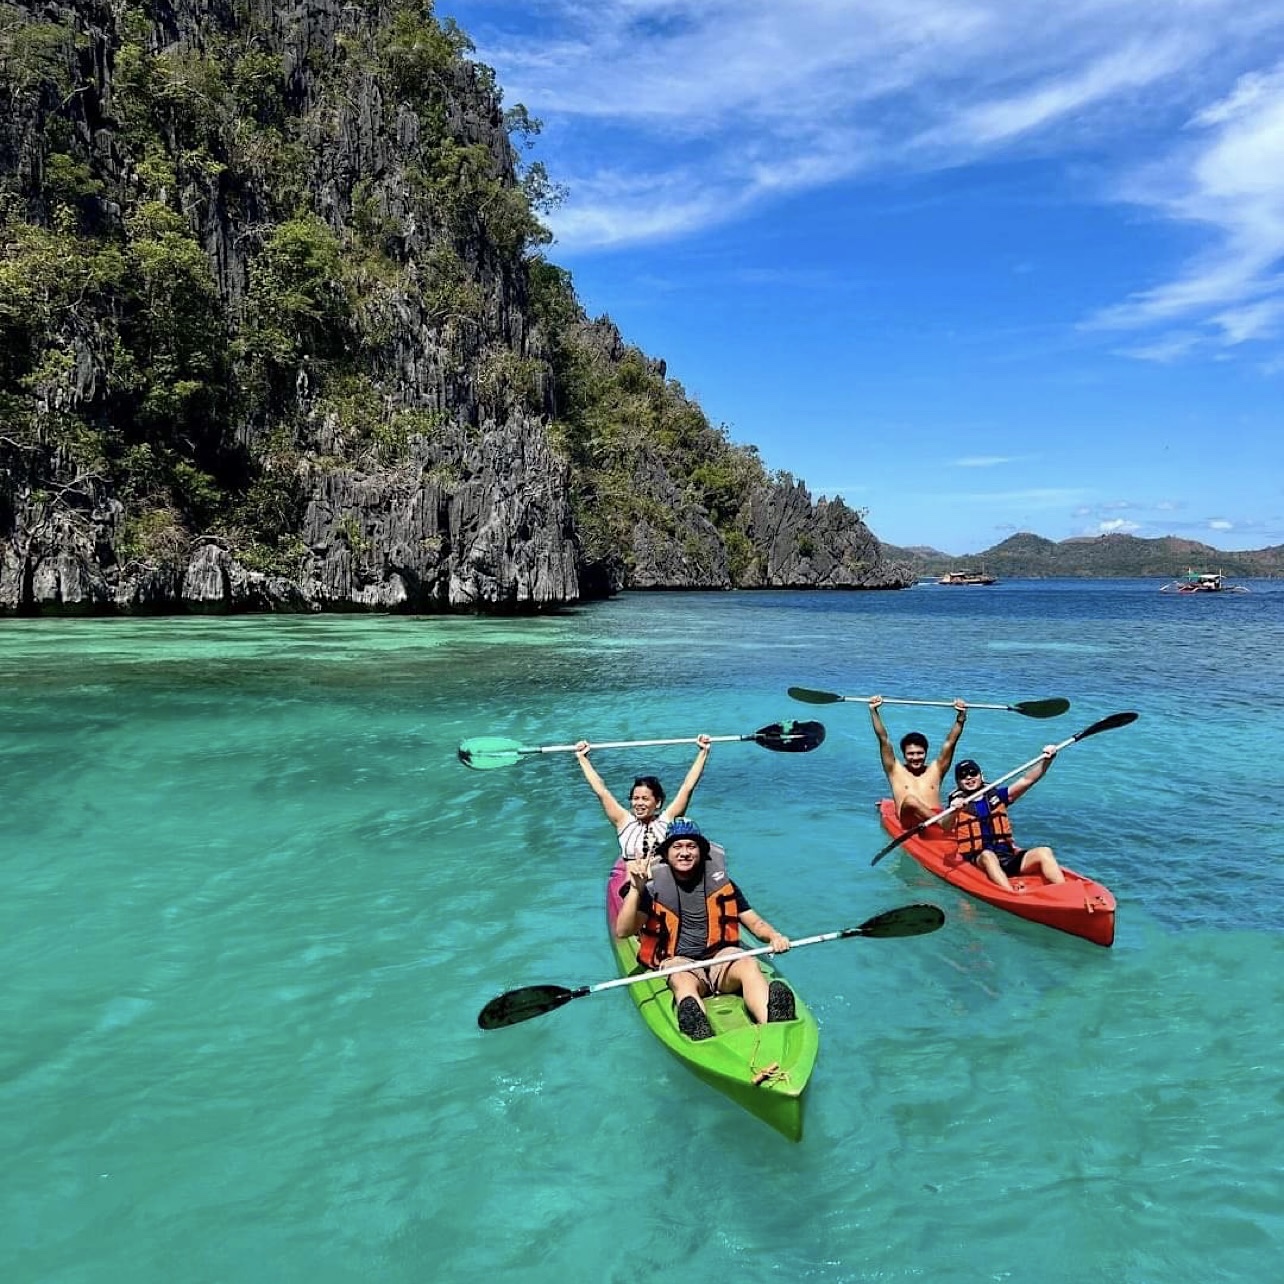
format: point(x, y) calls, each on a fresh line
point(893, 845)
point(790, 737)
point(807, 696)
point(909, 920)
point(1108, 724)
point(1053, 708)
point(521, 1005)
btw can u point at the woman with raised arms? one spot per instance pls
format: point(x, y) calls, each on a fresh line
point(642, 825)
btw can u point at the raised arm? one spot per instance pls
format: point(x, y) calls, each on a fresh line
point(614, 812)
point(682, 799)
point(631, 917)
point(946, 756)
point(1034, 775)
point(885, 750)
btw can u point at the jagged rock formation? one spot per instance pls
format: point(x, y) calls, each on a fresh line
point(276, 333)
point(822, 545)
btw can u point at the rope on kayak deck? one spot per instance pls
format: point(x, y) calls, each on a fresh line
point(770, 1073)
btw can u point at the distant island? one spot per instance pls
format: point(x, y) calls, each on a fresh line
point(1027, 556)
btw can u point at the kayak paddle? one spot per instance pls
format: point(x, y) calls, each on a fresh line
point(1106, 724)
point(1031, 708)
point(534, 1000)
point(484, 753)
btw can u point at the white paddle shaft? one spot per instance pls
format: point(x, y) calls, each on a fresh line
point(722, 958)
point(641, 744)
point(940, 704)
point(980, 793)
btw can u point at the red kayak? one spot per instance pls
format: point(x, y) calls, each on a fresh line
point(1078, 906)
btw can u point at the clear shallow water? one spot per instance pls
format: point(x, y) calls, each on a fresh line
point(251, 905)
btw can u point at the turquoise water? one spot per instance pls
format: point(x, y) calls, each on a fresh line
point(251, 905)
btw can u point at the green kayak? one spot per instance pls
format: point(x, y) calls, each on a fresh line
point(764, 1068)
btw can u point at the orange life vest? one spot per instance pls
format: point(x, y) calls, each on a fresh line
point(993, 831)
point(659, 936)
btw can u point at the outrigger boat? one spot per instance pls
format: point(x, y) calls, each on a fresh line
point(1078, 906)
point(966, 577)
point(764, 1068)
point(1203, 582)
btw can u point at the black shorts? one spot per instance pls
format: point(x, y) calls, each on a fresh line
point(1009, 861)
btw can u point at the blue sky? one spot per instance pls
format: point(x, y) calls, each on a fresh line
point(977, 267)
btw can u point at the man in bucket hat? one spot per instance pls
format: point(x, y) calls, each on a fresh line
point(691, 911)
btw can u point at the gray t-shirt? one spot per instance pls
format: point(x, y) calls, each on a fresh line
point(693, 913)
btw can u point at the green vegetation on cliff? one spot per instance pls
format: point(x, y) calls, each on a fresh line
point(617, 416)
point(242, 249)
point(105, 259)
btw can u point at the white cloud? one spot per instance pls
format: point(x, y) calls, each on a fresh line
point(703, 65)
point(1251, 321)
point(983, 461)
point(1117, 526)
point(1136, 65)
point(760, 98)
point(1165, 350)
point(714, 108)
point(612, 211)
point(1231, 182)
point(1251, 90)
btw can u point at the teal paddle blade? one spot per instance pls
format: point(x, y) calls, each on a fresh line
point(485, 753)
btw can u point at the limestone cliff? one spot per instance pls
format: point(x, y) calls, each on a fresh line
point(276, 332)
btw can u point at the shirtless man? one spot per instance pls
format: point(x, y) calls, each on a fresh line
point(916, 783)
